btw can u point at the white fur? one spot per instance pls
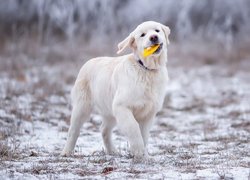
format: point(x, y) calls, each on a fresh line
point(122, 91)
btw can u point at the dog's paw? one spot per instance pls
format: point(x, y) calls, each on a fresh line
point(112, 152)
point(140, 159)
point(137, 152)
point(65, 154)
point(140, 156)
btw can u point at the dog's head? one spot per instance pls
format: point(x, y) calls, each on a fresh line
point(146, 35)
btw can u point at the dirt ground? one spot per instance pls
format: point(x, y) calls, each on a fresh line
point(203, 131)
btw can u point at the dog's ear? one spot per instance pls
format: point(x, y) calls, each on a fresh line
point(127, 42)
point(166, 31)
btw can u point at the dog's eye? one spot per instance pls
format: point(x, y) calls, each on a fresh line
point(157, 30)
point(143, 34)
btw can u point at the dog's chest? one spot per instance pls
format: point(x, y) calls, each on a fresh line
point(150, 90)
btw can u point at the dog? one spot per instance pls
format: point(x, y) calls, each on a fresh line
point(126, 91)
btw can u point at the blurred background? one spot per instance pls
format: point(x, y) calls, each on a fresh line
point(223, 22)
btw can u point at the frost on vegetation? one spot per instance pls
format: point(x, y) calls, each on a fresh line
point(224, 20)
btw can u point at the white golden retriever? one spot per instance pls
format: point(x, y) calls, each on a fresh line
point(127, 90)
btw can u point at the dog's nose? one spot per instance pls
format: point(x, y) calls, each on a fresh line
point(154, 38)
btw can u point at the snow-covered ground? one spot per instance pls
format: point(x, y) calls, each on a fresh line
point(202, 132)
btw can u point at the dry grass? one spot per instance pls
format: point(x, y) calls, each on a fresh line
point(9, 150)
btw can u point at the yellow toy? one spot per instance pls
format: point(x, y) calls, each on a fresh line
point(150, 50)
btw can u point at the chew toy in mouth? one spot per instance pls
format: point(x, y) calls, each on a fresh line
point(150, 50)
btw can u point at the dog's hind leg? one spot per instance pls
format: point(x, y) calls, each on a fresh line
point(80, 114)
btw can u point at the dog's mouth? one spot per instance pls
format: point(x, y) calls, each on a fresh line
point(158, 50)
point(153, 49)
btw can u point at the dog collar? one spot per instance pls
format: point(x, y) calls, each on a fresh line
point(141, 64)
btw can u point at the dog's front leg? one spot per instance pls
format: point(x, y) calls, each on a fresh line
point(130, 128)
point(145, 128)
